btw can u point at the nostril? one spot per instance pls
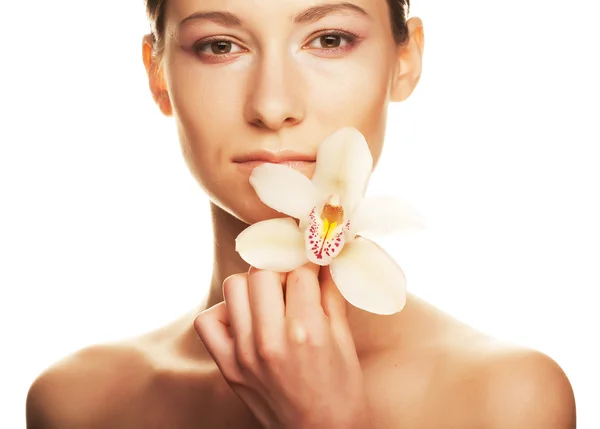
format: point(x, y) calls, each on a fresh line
point(260, 123)
point(257, 123)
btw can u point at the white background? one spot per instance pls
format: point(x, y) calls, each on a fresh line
point(498, 147)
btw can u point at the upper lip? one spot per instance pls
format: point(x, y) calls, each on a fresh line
point(275, 157)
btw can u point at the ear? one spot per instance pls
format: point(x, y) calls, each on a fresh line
point(156, 78)
point(409, 64)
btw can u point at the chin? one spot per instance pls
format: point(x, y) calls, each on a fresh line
point(248, 209)
point(237, 197)
point(259, 214)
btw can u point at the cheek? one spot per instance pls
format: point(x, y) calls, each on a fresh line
point(207, 113)
point(205, 106)
point(204, 102)
point(357, 96)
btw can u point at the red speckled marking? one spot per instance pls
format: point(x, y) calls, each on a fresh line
point(321, 250)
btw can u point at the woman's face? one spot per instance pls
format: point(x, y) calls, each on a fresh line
point(247, 77)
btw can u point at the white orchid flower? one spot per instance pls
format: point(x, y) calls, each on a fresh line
point(333, 219)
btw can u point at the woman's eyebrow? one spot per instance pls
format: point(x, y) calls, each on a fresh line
point(317, 12)
point(312, 14)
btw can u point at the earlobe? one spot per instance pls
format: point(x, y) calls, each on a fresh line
point(164, 103)
point(409, 64)
point(155, 75)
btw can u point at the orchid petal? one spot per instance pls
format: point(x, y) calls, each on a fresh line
point(379, 216)
point(274, 244)
point(369, 278)
point(344, 165)
point(284, 189)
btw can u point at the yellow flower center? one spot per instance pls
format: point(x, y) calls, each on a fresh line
point(325, 234)
point(332, 215)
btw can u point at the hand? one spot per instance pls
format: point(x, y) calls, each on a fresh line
point(292, 361)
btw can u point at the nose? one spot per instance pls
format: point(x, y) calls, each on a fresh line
point(275, 98)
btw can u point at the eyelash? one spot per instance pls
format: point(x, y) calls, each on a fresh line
point(350, 38)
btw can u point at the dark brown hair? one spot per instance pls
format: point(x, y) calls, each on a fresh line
point(155, 10)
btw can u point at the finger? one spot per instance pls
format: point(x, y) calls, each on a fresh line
point(335, 307)
point(212, 326)
point(267, 308)
point(334, 304)
point(303, 295)
point(235, 292)
point(282, 278)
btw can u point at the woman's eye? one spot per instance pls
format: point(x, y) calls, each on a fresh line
point(331, 41)
point(217, 47)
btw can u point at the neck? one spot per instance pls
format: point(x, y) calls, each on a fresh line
point(226, 260)
point(371, 332)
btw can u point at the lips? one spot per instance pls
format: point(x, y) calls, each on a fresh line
point(275, 157)
point(294, 160)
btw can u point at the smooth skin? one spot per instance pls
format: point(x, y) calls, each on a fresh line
point(267, 350)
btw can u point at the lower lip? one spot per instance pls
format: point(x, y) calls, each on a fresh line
point(297, 165)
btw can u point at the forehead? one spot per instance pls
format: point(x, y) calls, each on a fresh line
point(261, 11)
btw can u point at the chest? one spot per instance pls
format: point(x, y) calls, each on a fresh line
point(396, 390)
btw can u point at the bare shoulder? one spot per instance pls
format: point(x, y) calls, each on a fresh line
point(159, 379)
point(499, 385)
point(523, 388)
point(450, 375)
point(91, 388)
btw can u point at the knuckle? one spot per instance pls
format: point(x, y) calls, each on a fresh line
point(268, 351)
point(244, 352)
point(309, 334)
point(201, 321)
point(306, 334)
point(296, 332)
point(233, 283)
point(315, 340)
point(244, 358)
